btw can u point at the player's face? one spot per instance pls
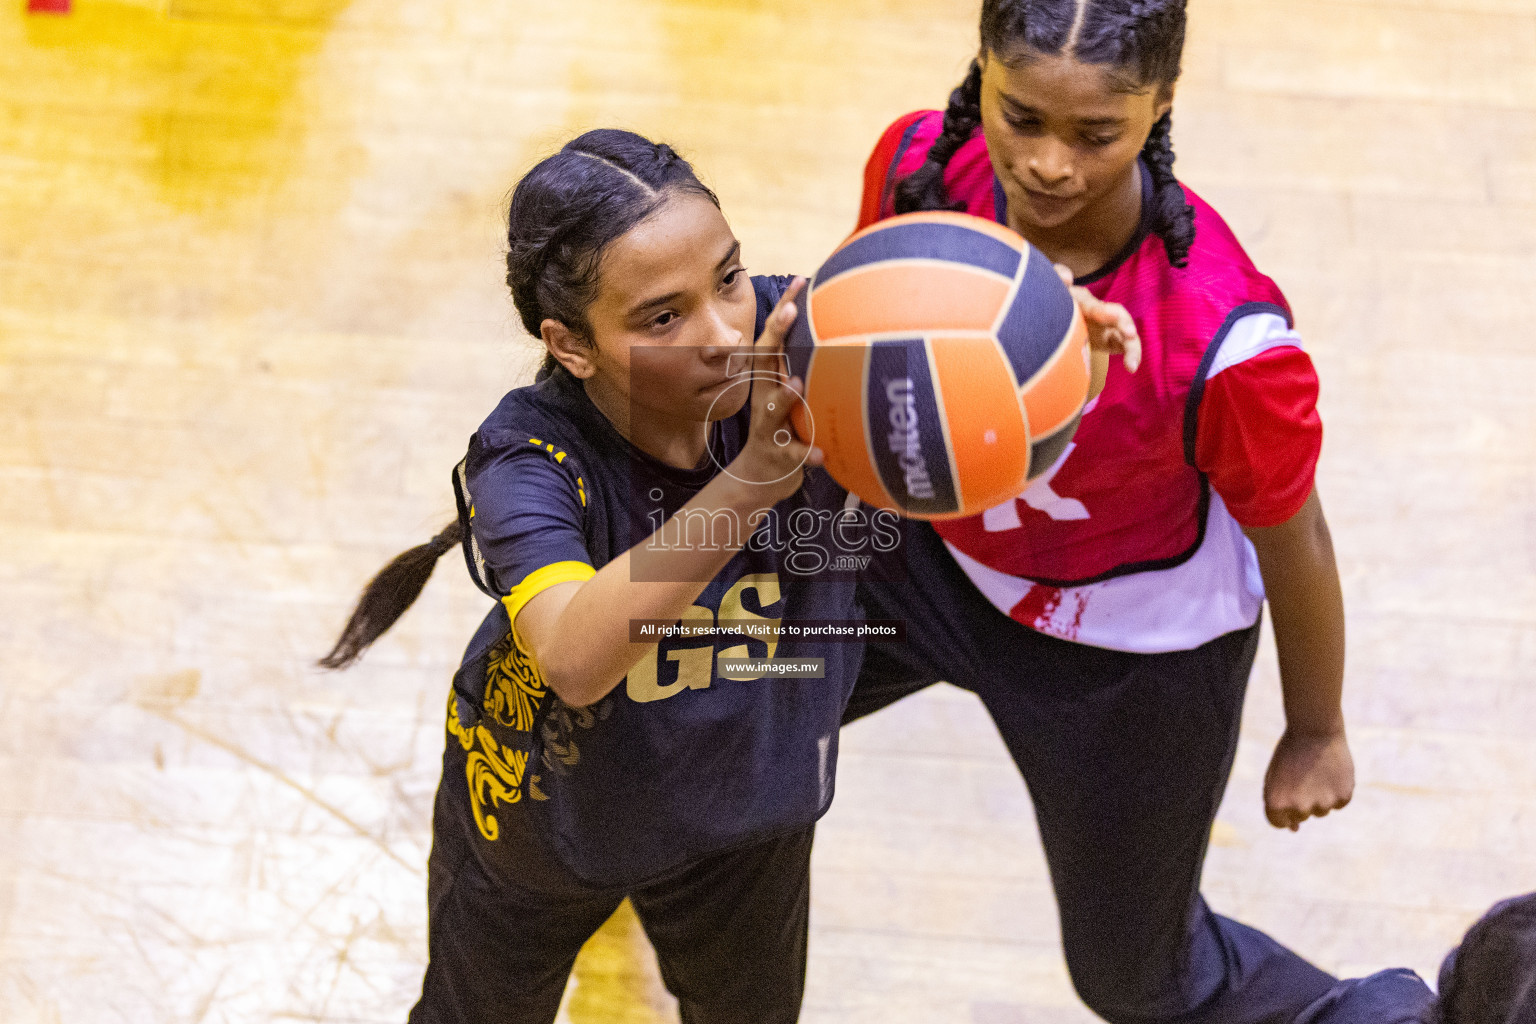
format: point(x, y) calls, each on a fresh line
point(1063, 135)
point(674, 304)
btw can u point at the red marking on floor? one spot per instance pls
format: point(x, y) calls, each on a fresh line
point(48, 6)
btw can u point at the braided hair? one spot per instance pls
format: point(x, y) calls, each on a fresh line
point(392, 590)
point(923, 189)
point(1142, 40)
point(563, 216)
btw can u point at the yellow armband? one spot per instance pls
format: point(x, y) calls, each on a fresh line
point(538, 581)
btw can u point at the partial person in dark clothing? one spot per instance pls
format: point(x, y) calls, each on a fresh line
point(1491, 977)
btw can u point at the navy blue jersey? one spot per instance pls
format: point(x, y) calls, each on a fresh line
point(677, 762)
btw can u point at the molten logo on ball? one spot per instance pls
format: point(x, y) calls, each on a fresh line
point(906, 443)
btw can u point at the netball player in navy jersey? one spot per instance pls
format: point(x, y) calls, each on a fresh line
point(1109, 616)
point(584, 761)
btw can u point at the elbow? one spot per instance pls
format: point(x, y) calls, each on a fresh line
point(572, 682)
point(1311, 534)
point(1322, 539)
point(1302, 537)
point(561, 680)
point(574, 694)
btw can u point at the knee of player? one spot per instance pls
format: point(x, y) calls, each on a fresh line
point(1124, 989)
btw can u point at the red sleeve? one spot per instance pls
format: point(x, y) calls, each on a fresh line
point(878, 169)
point(1258, 435)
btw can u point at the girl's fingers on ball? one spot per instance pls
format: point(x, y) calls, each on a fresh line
point(775, 330)
point(785, 310)
point(1120, 329)
point(777, 401)
point(1132, 356)
point(1097, 312)
point(780, 320)
point(1131, 339)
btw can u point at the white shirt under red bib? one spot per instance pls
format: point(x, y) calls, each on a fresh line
point(1133, 540)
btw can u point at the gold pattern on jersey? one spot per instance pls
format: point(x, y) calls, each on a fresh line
point(494, 773)
point(559, 731)
point(515, 692)
point(513, 687)
point(581, 488)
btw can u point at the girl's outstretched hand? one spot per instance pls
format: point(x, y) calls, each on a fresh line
point(774, 457)
point(1111, 331)
point(1308, 776)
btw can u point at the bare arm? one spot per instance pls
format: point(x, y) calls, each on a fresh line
point(578, 633)
point(1312, 771)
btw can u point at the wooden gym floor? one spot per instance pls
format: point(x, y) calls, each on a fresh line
point(250, 310)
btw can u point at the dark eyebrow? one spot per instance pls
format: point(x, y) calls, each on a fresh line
point(662, 300)
point(1089, 122)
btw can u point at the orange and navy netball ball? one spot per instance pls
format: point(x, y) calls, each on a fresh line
point(945, 364)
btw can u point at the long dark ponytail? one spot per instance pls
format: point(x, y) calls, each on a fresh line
point(564, 214)
point(386, 597)
point(1142, 39)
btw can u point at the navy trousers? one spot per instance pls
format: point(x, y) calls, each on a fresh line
point(1126, 757)
point(506, 920)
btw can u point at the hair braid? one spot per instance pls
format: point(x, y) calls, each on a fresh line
point(389, 594)
point(1173, 219)
point(923, 189)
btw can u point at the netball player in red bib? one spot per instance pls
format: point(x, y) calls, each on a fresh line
point(1109, 615)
